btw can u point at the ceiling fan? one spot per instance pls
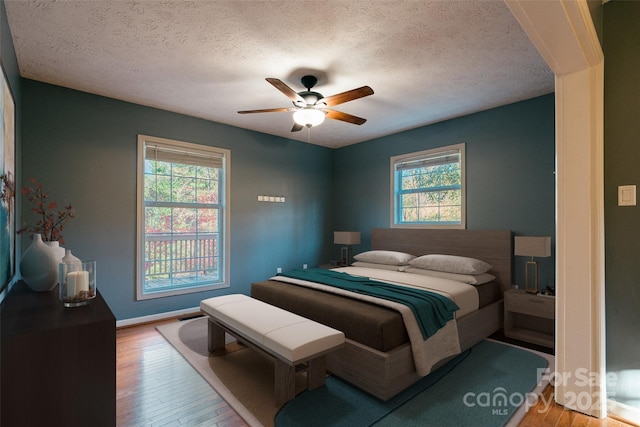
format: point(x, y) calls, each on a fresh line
point(310, 108)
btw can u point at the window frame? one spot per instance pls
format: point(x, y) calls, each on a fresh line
point(143, 141)
point(395, 194)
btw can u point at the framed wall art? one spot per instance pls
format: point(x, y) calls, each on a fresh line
point(7, 185)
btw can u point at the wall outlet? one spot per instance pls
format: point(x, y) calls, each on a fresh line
point(304, 266)
point(279, 270)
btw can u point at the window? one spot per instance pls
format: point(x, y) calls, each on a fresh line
point(183, 217)
point(428, 188)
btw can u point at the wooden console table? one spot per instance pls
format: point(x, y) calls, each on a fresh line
point(58, 365)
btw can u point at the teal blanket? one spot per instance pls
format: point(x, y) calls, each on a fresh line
point(432, 310)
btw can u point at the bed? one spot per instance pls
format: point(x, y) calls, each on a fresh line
point(378, 356)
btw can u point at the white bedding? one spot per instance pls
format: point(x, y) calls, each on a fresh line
point(443, 343)
point(464, 295)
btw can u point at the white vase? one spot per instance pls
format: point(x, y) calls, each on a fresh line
point(70, 258)
point(57, 249)
point(39, 265)
point(68, 263)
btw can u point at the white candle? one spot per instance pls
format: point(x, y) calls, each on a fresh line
point(77, 281)
point(71, 285)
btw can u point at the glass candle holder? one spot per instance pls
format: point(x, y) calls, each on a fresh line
point(77, 283)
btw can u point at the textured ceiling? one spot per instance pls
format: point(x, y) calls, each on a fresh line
point(427, 61)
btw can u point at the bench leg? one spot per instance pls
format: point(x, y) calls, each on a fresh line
point(216, 337)
point(285, 382)
point(316, 372)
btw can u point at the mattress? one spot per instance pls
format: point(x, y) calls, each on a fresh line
point(375, 326)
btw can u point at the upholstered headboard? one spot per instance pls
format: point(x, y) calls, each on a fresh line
point(492, 246)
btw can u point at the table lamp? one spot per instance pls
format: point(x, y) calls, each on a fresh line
point(534, 247)
point(345, 238)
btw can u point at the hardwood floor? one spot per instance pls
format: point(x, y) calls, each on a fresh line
point(157, 387)
point(558, 416)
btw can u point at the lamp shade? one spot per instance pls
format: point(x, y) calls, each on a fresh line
point(346, 237)
point(308, 116)
point(532, 246)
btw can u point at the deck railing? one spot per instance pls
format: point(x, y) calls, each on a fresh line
point(177, 259)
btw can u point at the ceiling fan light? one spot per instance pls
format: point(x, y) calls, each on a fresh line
point(308, 117)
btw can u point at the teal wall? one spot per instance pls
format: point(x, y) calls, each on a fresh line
point(622, 157)
point(83, 148)
point(510, 163)
point(9, 60)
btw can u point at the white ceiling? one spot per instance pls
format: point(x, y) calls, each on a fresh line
point(426, 61)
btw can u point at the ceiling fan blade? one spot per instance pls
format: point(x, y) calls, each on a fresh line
point(267, 110)
point(288, 92)
point(296, 127)
point(339, 115)
point(347, 96)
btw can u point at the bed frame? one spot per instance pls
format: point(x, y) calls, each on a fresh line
point(386, 374)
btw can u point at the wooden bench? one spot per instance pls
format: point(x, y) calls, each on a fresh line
point(295, 342)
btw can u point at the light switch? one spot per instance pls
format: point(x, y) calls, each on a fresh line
point(626, 195)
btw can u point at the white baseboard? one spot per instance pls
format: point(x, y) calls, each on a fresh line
point(155, 317)
point(628, 414)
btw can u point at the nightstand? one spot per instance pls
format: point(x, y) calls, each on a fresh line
point(530, 317)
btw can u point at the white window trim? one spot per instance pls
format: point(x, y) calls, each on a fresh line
point(399, 158)
point(140, 295)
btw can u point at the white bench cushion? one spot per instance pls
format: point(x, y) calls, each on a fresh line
point(292, 337)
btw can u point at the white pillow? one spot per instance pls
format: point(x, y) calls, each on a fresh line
point(384, 257)
point(451, 264)
point(380, 266)
point(471, 279)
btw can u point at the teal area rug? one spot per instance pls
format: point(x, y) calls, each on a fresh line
point(484, 386)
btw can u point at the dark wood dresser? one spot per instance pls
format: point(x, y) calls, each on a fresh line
point(57, 364)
